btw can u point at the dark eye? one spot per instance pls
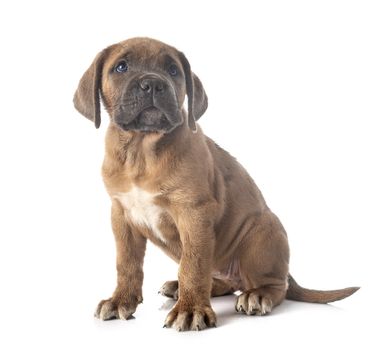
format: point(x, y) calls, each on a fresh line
point(173, 70)
point(121, 67)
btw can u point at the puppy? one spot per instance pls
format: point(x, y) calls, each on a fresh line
point(173, 185)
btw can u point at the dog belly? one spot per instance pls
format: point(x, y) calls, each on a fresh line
point(231, 272)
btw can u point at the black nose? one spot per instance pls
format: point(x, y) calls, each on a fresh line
point(152, 84)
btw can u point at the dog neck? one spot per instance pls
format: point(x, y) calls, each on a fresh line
point(142, 154)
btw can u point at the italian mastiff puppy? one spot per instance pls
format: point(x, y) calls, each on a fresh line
point(173, 185)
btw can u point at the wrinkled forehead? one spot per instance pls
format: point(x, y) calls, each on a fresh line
point(147, 53)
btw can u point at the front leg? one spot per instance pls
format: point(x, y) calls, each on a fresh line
point(193, 309)
point(131, 248)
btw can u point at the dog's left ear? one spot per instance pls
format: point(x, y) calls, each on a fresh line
point(197, 97)
point(87, 96)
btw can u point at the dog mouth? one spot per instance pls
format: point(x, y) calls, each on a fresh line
point(150, 119)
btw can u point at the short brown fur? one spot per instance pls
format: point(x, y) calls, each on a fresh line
point(214, 220)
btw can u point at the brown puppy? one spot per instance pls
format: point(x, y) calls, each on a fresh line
point(171, 184)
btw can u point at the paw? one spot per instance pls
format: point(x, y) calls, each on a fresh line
point(170, 290)
point(194, 318)
point(115, 308)
point(253, 303)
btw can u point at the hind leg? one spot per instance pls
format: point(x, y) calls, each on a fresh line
point(219, 287)
point(264, 258)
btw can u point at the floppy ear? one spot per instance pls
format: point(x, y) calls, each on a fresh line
point(87, 96)
point(197, 97)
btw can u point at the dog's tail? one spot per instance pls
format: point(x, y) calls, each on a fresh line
point(298, 293)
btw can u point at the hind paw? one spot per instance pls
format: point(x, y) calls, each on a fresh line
point(253, 303)
point(170, 289)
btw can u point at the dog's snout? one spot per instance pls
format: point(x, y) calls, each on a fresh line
point(146, 85)
point(152, 84)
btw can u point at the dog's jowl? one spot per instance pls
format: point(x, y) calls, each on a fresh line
point(173, 185)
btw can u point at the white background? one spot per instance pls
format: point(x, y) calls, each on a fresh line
point(295, 94)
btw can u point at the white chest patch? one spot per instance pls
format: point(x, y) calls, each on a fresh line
point(140, 208)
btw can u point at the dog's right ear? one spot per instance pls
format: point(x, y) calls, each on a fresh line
point(87, 96)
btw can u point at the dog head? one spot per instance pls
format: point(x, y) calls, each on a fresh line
point(143, 84)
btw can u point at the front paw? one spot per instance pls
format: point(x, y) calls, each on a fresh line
point(116, 308)
point(184, 317)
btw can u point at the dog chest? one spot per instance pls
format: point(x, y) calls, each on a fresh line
point(140, 208)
